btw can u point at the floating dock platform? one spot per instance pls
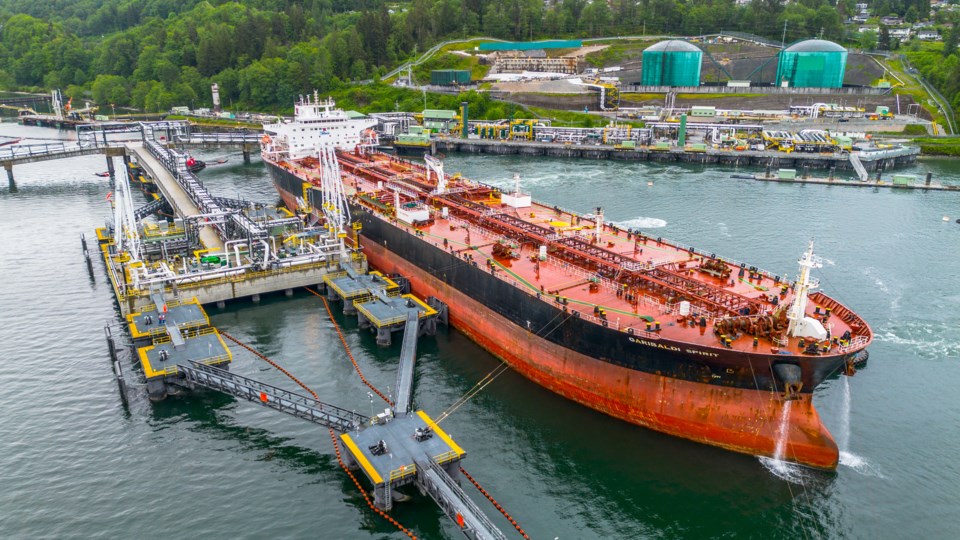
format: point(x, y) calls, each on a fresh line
point(349, 285)
point(169, 334)
point(377, 302)
point(152, 320)
point(389, 452)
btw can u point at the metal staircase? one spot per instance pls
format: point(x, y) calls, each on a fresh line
point(858, 166)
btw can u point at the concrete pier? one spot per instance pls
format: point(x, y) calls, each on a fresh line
point(872, 161)
point(8, 166)
point(878, 183)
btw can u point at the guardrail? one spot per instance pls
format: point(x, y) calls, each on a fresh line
point(938, 98)
point(219, 138)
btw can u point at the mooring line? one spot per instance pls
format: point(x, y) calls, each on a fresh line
point(346, 347)
point(333, 435)
point(495, 504)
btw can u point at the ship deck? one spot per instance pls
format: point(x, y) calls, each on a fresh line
point(615, 277)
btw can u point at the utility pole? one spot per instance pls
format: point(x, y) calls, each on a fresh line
point(783, 40)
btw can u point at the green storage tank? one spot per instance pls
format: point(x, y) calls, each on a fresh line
point(814, 63)
point(448, 77)
point(671, 63)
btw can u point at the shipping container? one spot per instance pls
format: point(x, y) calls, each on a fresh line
point(448, 77)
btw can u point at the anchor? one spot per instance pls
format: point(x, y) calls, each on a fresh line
point(791, 391)
point(850, 368)
point(791, 376)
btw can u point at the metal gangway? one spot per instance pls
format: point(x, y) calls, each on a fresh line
point(239, 138)
point(285, 401)
point(474, 524)
point(858, 166)
point(30, 153)
point(428, 475)
point(408, 359)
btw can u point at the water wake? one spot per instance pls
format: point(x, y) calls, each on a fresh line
point(642, 223)
point(933, 340)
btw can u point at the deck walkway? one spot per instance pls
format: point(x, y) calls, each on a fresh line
point(178, 198)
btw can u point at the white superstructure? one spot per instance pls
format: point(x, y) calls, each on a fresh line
point(800, 324)
point(315, 124)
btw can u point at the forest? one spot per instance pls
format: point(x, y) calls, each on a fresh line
point(154, 54)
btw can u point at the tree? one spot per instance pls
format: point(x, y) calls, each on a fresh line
point(595, 18)
point(883, 42)
point(868, 40)
point(912, 16)
point(951, 39)
point(110, 89)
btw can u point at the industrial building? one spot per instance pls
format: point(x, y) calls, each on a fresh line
point(514, 62)
point(671, 63)
point(814, 63)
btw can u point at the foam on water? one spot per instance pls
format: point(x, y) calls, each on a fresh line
point(874, 274)
point(782, 469)
point(642, 223)
point(859, 464)
point(723, 230)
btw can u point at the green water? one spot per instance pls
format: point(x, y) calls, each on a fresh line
point(77, 462)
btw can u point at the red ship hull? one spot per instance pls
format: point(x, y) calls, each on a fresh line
point(741, 420)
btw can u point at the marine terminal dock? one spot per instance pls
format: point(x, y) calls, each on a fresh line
point(872, 161)
point(217, 249)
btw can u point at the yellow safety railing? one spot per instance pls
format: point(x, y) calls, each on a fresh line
point(402, 472)
point(153, 231)
point(190, 333)
point(211, 361)
point(446, 457)
point(360, 305)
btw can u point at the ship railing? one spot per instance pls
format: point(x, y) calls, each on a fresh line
point(741, 264)
point(855, 343)
point(654, 263)
point(615, 324)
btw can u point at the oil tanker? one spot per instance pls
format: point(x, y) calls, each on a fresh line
point(653, 332)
